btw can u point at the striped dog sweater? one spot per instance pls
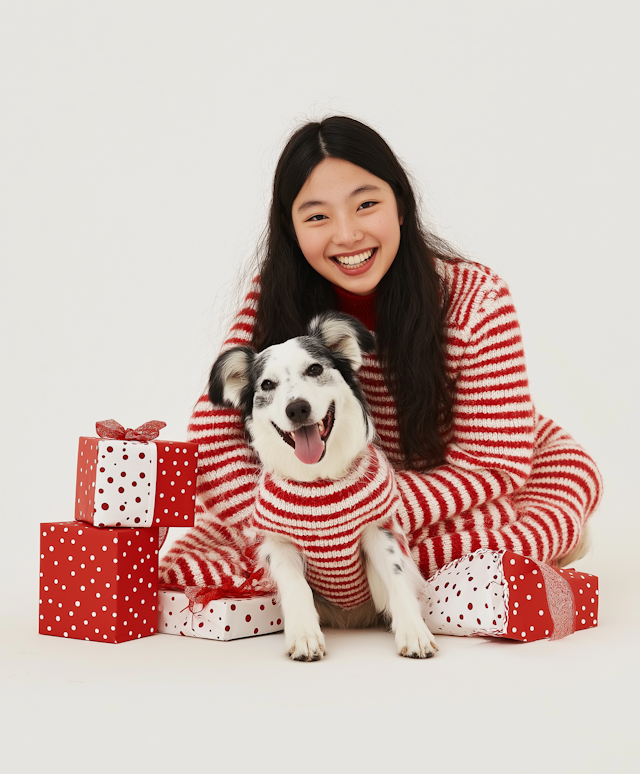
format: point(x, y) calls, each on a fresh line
point(325, 519)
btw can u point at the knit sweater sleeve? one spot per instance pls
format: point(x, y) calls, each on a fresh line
point(228, 469)
point(490, 445)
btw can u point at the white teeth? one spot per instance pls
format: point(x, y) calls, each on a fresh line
point(321, 426)
point(354, 260)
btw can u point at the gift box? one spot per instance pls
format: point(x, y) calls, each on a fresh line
point(219, 619)
point(502, 594)
point(125, 478)
point(98, 584)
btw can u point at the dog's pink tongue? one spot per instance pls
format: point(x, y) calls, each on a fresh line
point(309, 447)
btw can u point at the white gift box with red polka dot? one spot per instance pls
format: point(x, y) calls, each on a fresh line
point(98, 584)
point(221, 619)
point(134, 484)
point(502, 594)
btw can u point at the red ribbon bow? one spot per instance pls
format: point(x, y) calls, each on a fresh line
point(109, 428)
point(252, 586)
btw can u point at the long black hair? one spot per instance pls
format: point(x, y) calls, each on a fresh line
point(411, 298)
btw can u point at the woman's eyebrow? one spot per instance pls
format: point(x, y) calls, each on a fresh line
point(365, 189)
point(315, 203)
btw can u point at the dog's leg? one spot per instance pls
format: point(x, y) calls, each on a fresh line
point(398, 583)
point(284, 563)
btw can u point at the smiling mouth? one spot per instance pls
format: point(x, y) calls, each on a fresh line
point(309, 442)
point(355, 261)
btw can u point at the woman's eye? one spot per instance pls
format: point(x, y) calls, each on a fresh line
point(314, 370)
point(315, 218)
point(267, 384)
point(366, 205)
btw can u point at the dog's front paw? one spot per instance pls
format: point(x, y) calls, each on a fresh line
point(415, 642)
point(307, 647)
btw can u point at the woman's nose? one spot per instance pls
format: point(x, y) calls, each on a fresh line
point(346, 232)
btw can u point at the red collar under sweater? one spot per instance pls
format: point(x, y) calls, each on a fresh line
point(328, 537)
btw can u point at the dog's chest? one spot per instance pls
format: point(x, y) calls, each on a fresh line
point(325, 519)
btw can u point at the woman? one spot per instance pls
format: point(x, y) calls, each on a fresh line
point(475, 465)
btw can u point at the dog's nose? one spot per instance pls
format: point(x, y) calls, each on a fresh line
point(298, 411)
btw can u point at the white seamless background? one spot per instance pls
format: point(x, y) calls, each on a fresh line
point(137, 146)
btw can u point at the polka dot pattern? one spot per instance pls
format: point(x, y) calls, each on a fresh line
point(222, 619)
point(86, 478)
point(133, 484)
point(98, 584)
point(529, 614)
point(176, 484)
point(125, 482)
point(502, 594)
point(469, 597)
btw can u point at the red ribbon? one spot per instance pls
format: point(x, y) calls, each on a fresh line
point(200, 596)
point(162, 536)
point(562, 604)
point(109, 428)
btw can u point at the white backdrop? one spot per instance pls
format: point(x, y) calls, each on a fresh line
point(137, 146)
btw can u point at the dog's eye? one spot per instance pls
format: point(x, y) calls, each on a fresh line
point(314, 370)
point(267, 384)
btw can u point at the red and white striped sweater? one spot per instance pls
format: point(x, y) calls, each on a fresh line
point(511, 478)
point(325, 519)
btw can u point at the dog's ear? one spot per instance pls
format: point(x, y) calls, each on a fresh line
point(230, 376)
point(343, 334)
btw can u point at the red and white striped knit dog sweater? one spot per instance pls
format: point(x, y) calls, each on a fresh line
point(324, 520)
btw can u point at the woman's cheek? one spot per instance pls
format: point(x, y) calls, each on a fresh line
point(313, 247)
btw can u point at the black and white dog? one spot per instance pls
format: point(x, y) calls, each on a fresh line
point(308, 419)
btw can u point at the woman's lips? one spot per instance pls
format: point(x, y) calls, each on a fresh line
point(351, 270)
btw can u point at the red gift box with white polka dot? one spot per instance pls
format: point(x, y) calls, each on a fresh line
point(98, 584)
point(503, 594)
point(134, 484)
point(221, 619)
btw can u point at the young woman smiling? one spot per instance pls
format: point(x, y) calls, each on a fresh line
point(475, 464)
point(351, 235)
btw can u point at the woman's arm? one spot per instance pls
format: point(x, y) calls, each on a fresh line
point(490, 444)
point(228, 469)
point(213, 552)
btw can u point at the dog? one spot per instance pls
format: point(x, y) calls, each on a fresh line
point(308, 421)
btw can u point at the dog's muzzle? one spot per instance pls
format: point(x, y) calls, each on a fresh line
point(309, 442)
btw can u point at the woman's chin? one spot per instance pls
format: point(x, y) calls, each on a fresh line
point(361, 285)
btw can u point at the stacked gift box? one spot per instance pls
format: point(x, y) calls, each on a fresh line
point(99, 573)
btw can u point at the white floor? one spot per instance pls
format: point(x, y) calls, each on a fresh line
point(178, 704)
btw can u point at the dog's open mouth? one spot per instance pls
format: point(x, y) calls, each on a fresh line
point(309, 442)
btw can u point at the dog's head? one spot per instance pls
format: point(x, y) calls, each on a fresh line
point(301, 400)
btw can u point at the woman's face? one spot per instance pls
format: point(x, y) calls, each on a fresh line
point(347, 225)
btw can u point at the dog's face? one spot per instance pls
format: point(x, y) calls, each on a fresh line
point(301, 401)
